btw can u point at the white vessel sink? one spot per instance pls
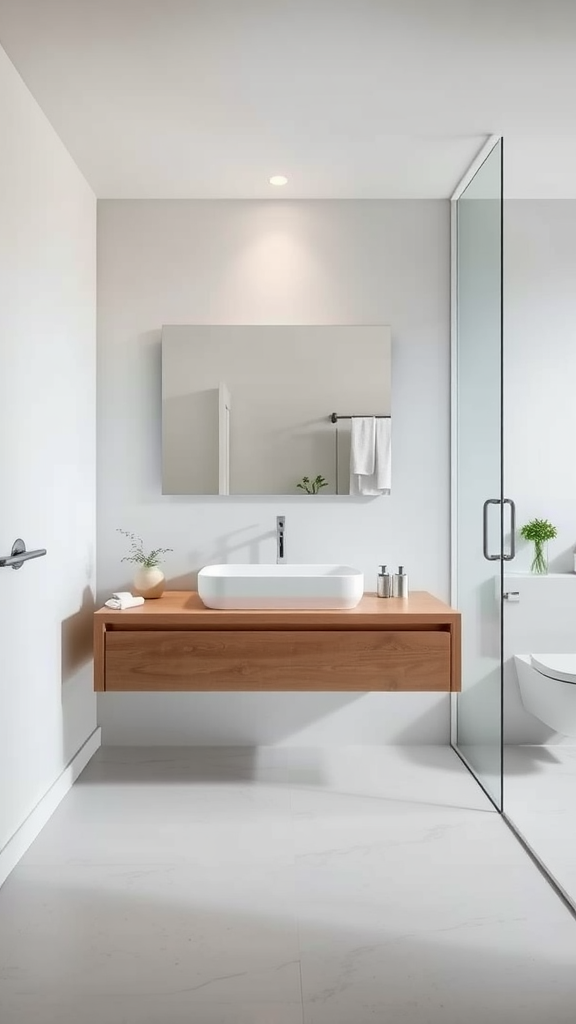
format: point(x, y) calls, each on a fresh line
point(280, 586)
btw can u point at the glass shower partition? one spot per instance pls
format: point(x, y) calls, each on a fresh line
point(478, 505)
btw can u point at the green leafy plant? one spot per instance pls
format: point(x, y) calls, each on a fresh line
point(539, 531)
point(139, 556)
point(312, 486)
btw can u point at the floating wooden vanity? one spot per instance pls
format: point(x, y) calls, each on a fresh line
point(176, 643)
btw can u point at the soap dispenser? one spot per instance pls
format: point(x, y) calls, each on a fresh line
point(384, 584)
point(401, 583)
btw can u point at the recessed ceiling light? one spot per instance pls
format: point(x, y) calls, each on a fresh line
point(278, 179)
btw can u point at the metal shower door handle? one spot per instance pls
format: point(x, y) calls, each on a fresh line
point(487, 555)
point(512, 553)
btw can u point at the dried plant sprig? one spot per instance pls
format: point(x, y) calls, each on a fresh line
point(138, 556)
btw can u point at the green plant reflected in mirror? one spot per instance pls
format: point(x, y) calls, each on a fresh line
point(312, 486)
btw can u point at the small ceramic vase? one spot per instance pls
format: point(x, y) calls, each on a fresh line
point(149, 583)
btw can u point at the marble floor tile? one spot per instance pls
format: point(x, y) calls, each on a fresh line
point(425, 914)
point(212, 933)
point(278, 886)
point(540, 799)
point(68, 843)
point(135, 1009)
point(178, 803)
point(386, 940)
point(404, 979)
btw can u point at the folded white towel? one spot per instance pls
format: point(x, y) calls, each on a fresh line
point(122, 600)
point(370, 455)
point(363, 445)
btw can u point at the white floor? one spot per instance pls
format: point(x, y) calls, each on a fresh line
point(540, 798)
point(280, 887)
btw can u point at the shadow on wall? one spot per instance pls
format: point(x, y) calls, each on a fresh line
point(434, 722)
point(77, 688)
point(220, 719)
point(151, 348)
point(562, 561)
point(77, 637)
point(260, 718)
point(221, 553)
point(224, 548)
point(489, 620)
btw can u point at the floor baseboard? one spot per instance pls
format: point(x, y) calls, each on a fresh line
point(30, 828)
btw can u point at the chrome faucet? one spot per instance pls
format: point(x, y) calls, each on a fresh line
point(280, 541)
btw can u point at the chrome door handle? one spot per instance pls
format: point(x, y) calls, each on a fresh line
point(487, 555)
point(19, 555)
point(512, 553)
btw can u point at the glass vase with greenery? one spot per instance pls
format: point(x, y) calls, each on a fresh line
point(539, 532)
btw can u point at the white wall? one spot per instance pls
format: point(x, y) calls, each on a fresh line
point(47, 452)
point(318, 262)
point(540, 421)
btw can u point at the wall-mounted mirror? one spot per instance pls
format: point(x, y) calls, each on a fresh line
point(260, 410)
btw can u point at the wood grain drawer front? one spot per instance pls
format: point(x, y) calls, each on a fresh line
point(278, 660)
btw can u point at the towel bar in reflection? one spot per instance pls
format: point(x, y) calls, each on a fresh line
point(334, 417)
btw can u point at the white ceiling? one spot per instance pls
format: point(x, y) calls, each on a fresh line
point(348, 98)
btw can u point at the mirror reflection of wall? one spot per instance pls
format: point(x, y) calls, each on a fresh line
point(248, 409)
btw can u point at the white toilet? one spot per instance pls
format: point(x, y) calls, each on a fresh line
point(548, 689)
